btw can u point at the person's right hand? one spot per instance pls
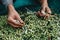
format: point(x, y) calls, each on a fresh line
point(45, 11)
point(12, 17)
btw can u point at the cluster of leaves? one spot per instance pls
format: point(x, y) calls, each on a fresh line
point(34, 29)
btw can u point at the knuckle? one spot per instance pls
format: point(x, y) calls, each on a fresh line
point(8, 19)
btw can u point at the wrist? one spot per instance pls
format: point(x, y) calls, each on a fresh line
point(10, 7)
point(44, 2)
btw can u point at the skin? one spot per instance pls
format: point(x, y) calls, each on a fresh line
point(45, 8)
point(13, 14)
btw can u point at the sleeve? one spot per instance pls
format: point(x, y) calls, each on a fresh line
point(7, 2)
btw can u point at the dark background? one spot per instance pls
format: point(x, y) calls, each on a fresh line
point(53, 4)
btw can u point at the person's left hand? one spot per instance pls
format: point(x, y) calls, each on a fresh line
point(14, 19)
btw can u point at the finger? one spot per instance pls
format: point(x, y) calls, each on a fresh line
point(13, 25)
point(48, 10)
point(38, 13)
point(47, 16)
point(19, 19)
point(43, 11)
point(14, 22)
point(18, 22)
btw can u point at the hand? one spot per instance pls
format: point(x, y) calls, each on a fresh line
point(44, 11)
point(12, 17)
